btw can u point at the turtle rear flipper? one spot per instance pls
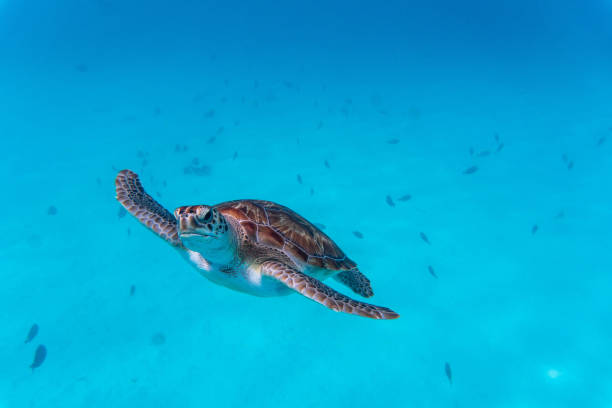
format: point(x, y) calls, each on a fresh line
point(321, 293)
point(137, 202)
point(357, 281)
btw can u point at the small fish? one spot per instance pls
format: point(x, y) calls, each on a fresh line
point(570, 165)
point(158, 339)
point(319, 226)
point(82, 68)
point(496, 137)
point(393, 141)
point(601, 141)
point(358, 234)
point(211, 140)
point(311, 191)
point(319, 125)
point(220, 130)
point(448, 372)
point(564, 158)
point(405, 197)
point(122, 211)
point(470, 170)
point(156, 111)
point(299, 179)
point(52, 210)
point(39, 357)
point(195, 161)
point(132, 290)
point(235, 156)
point(129, 231)
point(209, 113)
point(471, 151)
point(389, 201)
point(32, 333)
point(499, 148)
point(203, 170)
point(560, 215)
point(424, 238)
point(483, 153)
point(432, 272)
point(534, 229)
point(236, 122)
point(327, 164)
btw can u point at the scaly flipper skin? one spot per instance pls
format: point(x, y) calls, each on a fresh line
point(321, 293)
point(142, 206)
point(357, 281)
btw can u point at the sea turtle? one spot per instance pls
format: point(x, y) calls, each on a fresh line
point(253, 246)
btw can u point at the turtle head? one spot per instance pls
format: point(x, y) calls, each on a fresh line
point(204, 229)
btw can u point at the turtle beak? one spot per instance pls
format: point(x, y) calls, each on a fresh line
point(190, 221)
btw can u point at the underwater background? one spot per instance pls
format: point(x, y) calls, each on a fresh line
point(485, 126)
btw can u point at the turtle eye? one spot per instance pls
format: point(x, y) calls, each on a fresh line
point(208, 216)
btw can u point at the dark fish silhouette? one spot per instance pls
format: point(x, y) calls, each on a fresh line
point(211, 140)
point(39, 357)
point(499, 148)
point(209, 113)
point(405, 197)
point(424, 238)
point(601, 141)
point(235, 156)
point(195, 161)
point(220, 130)
point(432, 272)
point(52, 210)
point(496, 138)
point(358, 234)
point(564, 158)
point(32, 333)
point(534, 229)
point(470, 170)
point(327, 164)
point(203, 170)
point(157, 111)
point(471, 151)
point(132, 290)
point(390, 201)
point(311, 191)
point(299, 179)
point(121, 212)
point(393, 141)
point(158, 339)
point(483, 153)
point(82, 68)
point(560, 215)
point(448, 372)
point(570, 165)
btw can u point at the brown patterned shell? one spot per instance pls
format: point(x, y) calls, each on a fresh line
point(279, 227)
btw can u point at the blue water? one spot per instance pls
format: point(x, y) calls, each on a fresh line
point(399, 98)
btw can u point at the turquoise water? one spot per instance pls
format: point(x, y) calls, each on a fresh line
point(399, 99)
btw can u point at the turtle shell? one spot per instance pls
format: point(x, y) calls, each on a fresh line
point(278, 227)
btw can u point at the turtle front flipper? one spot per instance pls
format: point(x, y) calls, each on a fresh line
point(357, 281)
point(321, 293)
point(144, 207)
